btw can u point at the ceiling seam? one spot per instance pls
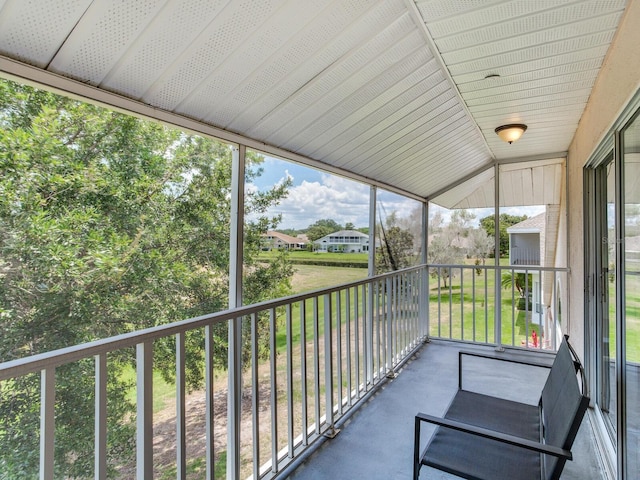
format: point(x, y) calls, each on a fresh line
point(422, 27)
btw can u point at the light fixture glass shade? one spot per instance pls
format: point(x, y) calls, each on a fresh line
point(512, 132)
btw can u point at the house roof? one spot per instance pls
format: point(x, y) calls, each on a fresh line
point(534, 224)
point(381, 91)
point(284, 237)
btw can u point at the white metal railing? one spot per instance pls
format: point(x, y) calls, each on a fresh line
point(463, 302)
point(340, 344)
point(327, 351)
point(524, 256)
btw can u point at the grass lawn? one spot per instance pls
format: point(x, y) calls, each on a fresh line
point(313, 277)
point(338, 258)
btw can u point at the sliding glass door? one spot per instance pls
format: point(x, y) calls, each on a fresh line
point(630, 318)
point(612, 267)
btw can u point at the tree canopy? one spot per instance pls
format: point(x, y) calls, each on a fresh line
point(506, 220)
point(396, 245)
point(109, 224)
point(321, 228)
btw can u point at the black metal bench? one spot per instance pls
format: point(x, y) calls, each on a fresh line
point(482, 437)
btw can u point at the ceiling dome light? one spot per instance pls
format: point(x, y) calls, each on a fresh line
point(512, 132)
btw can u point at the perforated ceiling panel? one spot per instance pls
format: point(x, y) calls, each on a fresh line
point(389, 90)
point(30, 35)
point(523, 61)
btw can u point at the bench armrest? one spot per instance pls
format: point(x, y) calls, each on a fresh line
point(490, 356)
point(491, 434)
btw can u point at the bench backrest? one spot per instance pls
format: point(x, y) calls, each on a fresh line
point(563, 407)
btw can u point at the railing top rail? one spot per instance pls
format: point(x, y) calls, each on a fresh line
point(499, 267)
point(38, 362)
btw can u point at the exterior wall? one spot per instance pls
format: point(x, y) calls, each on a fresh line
point(616, 84)
point(343, 241)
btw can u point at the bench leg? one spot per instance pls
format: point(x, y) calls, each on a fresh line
point(416, 450)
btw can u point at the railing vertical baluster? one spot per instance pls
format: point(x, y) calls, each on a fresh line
point(439, 304)
point(100, 421)
point(316, 363)
point(144, 428)
point(450, 303)
point(486, 305)
point(209, 403)
point(328, 365)
point(556, 312)
point(424, 304)
point(390, 323)
point(339, 350)
point(473, 302)
point(513, 307)
point(356, 338)
point(402, 334)
point(402, 295)
point(274, 390)
point(347, 300)
point(290, 417)
point(303, 372)
point(378, 318)
point(47, 422)
point(255, 396)
point(526, 307)
point(461, 303)
point(498, 306)
point(368, 332)
point(181, 443)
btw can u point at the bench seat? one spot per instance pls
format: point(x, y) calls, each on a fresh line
point(482, 437)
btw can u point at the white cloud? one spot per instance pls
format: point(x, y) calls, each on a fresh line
point(336, 198)
point(331, 197)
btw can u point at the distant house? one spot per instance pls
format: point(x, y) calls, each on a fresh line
point(526, 241)
point(281, 241)
point(532, 244)
point(347, 241)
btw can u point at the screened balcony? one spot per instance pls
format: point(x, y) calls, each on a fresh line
point(329, 353)
point(395, 97)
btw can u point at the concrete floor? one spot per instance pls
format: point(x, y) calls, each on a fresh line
point(377, 441)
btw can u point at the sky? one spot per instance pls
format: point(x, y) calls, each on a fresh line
point(317, 195)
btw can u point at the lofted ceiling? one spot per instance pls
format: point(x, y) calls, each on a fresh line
point(403, 93)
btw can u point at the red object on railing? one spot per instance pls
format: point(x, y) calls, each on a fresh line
point(534, 337)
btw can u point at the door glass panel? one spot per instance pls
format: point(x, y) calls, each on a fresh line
point(631, 158)
point(603, 225)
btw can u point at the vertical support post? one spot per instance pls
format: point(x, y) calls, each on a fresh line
point(47, 422)
point(424, 283)
point(100, 421)
point(368, 345)
point(144, 427)
point(236, 260)
point(498, 273)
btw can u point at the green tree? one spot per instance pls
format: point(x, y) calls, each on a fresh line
point(321, 228)
point(109, 224)
point(396, 246)
point(506, 220)
point(445, 244)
